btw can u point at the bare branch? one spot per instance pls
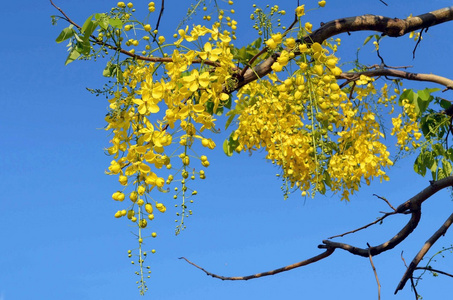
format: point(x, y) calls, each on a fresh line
point(160, 14)
point(392, 27)
point(412, 279)
point(62, 12)
point(390, 244)
point(413, 205)
point(386, 201)
point(350, 76)
point(313, 259)
point(418, 42)
point(375, 273)
point(441, 231)
point(363, 227)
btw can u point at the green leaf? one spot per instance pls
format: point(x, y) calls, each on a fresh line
point(229, 120)
point(257, 43)
point(368, 38)
point(67, 33)
point(433, 167)
point(116, 23)
point(91, 26)
point(87, 23)
point(407, 94)
point(103, 20)
point(227, 149)
point(78, 38)
point(327, 179)
point(445, 104)
point(438, 150)
point(424, 97)
point(440, 174)
point(446, 167)
point(109, 70)
point(419, 166)
point(73, 55)
point(227, 104)
point(425, 94)
point(83, 48)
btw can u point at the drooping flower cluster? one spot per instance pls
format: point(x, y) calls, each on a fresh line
point(310, 127)
point(406, 127)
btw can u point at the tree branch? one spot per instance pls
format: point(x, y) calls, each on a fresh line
point(313, 259)
point(133, 55)
point(363, 227)
point(392, 27)
point(408, 274)
point(375, 273)
point(352, 76)
point(413, 205)
point(434, 270)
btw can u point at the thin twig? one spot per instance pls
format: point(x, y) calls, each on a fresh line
point(434, 270)
point(376, 66)
point(313, 259)
point(375, 272)
point(363, 227)
point(160, 14)
point(350, 76)
point(62, 12)
point(412, 279)
point(140, 57)
point(386, 201)
point(255, 57)
point(418, 42)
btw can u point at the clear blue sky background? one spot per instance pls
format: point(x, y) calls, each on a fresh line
point(59, 239)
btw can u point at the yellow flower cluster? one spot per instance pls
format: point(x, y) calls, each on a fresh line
point(310, 127)
point(406, 128)
point(156, 122)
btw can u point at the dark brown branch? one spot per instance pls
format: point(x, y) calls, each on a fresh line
point(412, 279)
point(413, 205)
point(160, 14)
point(375, 273)
point(390, 244)
point(418, 42)
point(441, 231)
point(434, 270)
point(392, 27)
point(313, 259)
point(252, 60)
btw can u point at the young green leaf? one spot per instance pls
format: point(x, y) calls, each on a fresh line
point(65, 34)
point(73, 55)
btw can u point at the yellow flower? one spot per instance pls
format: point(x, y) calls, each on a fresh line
point(300, 10)
point(160, 207)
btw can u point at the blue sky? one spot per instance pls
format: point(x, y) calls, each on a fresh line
point(61, 241)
